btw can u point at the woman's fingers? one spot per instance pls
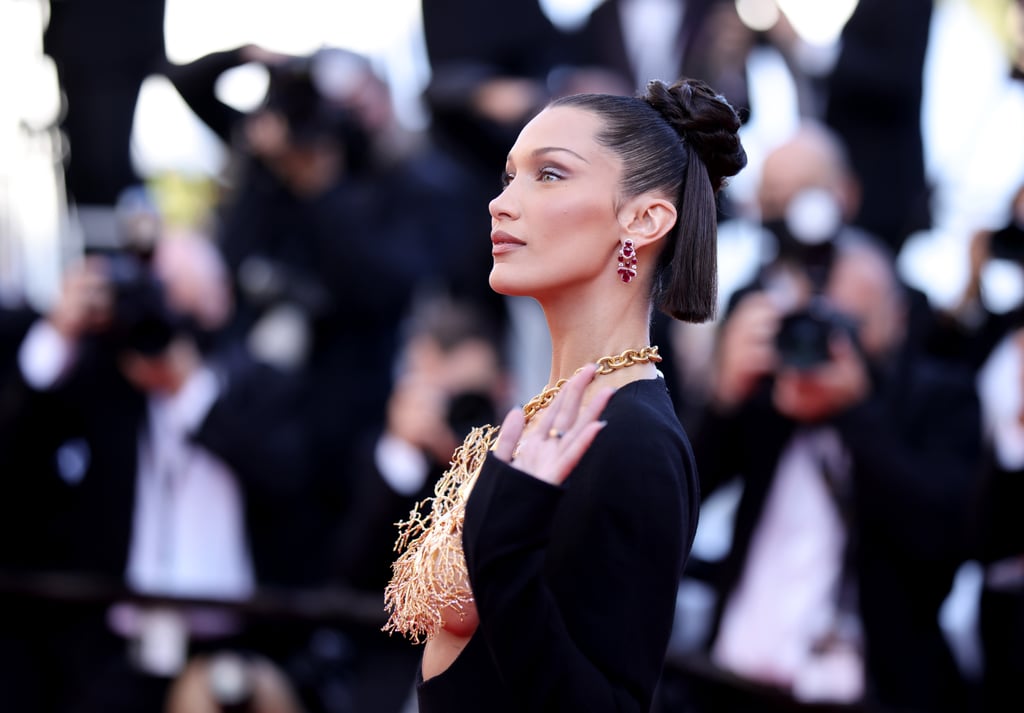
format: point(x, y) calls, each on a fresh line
point(561, 414)
point(508, 436)
point(578, 438)
point(562, 434)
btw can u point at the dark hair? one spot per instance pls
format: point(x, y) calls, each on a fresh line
point(681, 139)
point(451, 321)
point(300, 91)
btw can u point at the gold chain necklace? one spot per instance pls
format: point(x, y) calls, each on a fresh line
point(605, 365)
point(429, 576)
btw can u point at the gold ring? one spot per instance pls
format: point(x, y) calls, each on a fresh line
point(555, 433)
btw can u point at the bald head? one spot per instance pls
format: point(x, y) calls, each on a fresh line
point(813, 157)
point(863, 284)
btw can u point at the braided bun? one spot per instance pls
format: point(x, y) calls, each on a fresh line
point(705, 121)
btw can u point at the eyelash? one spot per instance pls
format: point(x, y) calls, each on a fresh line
point(543, 173)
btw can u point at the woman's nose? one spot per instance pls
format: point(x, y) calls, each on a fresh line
point(501, 206)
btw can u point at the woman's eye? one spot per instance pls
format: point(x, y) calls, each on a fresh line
point(506, 178)
point(548, 175)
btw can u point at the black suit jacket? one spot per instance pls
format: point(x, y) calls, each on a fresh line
point(874, 104)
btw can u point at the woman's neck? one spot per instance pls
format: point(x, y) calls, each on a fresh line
point(583, 331)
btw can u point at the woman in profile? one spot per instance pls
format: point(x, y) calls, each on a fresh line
point(543, 574)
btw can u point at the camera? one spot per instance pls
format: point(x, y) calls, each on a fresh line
point(1008, 243)
point(802, 341)
point(141, 321)
point(806, 237)
point(469, 409)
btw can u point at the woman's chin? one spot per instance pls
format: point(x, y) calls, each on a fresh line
point(501, 283)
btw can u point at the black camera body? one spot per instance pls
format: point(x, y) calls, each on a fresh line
point(1008, 243)
point(141, 320)
point(804, 336)
point(470, 409)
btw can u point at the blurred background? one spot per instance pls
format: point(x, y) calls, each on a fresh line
point(245, 319)
point(970, 44)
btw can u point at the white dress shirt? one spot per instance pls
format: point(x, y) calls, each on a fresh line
point(786, 601)
point(1000, 390)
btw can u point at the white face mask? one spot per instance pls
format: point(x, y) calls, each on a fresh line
point(813, 216)
point(1002, 283)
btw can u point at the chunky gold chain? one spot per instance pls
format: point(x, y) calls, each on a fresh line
point(605, 365)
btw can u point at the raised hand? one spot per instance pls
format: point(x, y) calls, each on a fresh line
point(746, 349)
point(552, 447)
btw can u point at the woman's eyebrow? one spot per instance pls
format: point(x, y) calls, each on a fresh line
point(549, 149)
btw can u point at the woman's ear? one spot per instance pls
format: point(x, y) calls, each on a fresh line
point(646, 220)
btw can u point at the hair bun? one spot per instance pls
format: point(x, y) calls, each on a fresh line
point(704, 120)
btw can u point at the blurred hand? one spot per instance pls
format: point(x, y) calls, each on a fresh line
point(417, 413)
point(309, 171)
point(1018, 338)
point(261, 55)
point(733, 40)
point(746, 349)
point(783, 35)
point(86, 302)
point(508, 100)
point(195, 279)
point(564, 431)
point(266, 133)
point(163, 373)
point(979, 250)
point(826, 390)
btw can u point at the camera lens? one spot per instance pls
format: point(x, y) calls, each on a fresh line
point(141, 321)
point(803, 340)
point(469, 409)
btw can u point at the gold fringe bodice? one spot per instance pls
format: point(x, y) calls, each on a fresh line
point(430, 575)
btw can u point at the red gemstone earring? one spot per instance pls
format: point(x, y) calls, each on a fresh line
point(627, 261)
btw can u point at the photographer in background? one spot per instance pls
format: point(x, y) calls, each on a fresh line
point(992, 302)
point(1000, 535)
point(451, 375)
point(986, 332)
point(857, 457)
point(329, 225)
point(172, 491)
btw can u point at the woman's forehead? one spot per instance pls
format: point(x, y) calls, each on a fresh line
point(563, 127)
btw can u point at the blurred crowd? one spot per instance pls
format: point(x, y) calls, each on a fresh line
point(213, 428)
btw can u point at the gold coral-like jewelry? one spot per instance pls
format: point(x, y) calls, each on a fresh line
point(429, 576)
